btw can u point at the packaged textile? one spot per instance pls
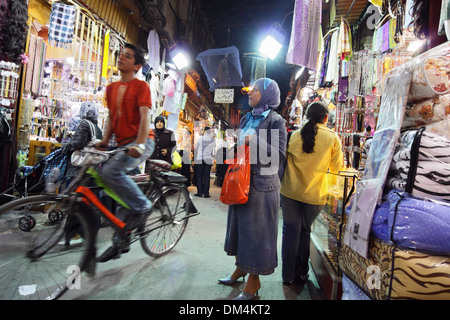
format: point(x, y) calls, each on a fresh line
point(431, 74)
point(426, 112)
point(413, 223)
point(389, 273)
point(351, 291)
point(421, 165)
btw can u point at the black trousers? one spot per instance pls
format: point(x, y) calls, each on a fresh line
point(203, 172)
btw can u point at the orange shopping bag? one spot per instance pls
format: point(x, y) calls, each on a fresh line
point(236, 183)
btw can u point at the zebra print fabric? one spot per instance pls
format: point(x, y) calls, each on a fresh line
point(421, 165)
point(402, 274)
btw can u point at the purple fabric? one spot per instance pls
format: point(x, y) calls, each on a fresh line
point(343, 89)
point(385, 45)
point(304, 42)
point(419, 224)
point(270, 95)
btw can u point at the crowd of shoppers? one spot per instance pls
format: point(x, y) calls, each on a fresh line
point(294, 178)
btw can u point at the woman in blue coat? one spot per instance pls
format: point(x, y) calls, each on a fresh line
point(252, 228)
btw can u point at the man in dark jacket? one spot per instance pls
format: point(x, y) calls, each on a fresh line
point(165, 141)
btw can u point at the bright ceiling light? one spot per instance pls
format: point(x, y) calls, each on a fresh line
point(180, 60)
point(270, 47)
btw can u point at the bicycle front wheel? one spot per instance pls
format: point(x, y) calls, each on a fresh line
point(40, 261)
point(167, 223)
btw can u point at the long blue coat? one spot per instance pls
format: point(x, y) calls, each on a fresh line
point(252, 228)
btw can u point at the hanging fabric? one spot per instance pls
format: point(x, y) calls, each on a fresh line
point(332, 74)
point(62, 24)
point(303, 45)
point(345, 41)
point(153, 47)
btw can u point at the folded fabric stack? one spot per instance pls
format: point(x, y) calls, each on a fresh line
point(413, 223)
point(409, 246)
point(390, 273)
point(421, 165)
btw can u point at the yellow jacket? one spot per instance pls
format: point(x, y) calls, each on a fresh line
point(305, 173)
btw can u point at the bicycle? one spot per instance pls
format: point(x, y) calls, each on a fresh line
point(40, 263)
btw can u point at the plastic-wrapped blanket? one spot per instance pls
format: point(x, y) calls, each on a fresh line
point(426, 112)
point(389, 273)
point(351, 291)
point(413, 223)
point(421, 165)
point(431, 74)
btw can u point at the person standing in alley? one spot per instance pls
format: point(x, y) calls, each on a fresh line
point(185, 153)
point(252, 228)
point(204, 157)
point(164, 141)
point(129, 102)
point(311, 152)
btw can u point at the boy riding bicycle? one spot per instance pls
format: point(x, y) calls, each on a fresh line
point(128, 101)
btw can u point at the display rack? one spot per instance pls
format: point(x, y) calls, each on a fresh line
point(326, 235)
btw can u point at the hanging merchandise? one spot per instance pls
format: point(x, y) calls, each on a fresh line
point(62, 23)
point(345, 40)
point(34, 76)
point(304, 41)
point(332, 73)
point(153, 47)
point(14, 33)
point(173, 92)
point(222, 67)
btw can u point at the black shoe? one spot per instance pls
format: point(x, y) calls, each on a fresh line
point(111, 253)
point(198, 195)
point(207, 196)
point(135, 220)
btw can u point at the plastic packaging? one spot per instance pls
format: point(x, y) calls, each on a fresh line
point(398, 88)
point(389, 273)
point(413, 223)
point(421, 165)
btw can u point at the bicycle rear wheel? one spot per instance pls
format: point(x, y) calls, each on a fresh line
point(36, 264)
point(167, 223)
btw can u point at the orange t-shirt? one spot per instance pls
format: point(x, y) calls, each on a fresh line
point(123, 101)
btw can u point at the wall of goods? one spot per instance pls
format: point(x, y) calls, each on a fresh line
point(63, 68)
point(391, 108)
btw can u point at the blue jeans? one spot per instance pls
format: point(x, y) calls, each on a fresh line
point(115, 174)
point(297, 220)
point(203, 172)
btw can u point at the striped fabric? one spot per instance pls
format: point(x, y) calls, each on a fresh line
point(427, 154)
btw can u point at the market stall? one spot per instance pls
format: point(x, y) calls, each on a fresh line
point(380, 92)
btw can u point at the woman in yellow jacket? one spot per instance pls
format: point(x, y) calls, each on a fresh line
point(311, 152)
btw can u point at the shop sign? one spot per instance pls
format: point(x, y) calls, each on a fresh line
point(224, 95)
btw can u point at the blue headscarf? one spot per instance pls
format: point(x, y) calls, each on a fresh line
point(270, 95)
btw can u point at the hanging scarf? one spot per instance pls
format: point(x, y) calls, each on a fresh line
point(62, 21)
point(345, 41)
